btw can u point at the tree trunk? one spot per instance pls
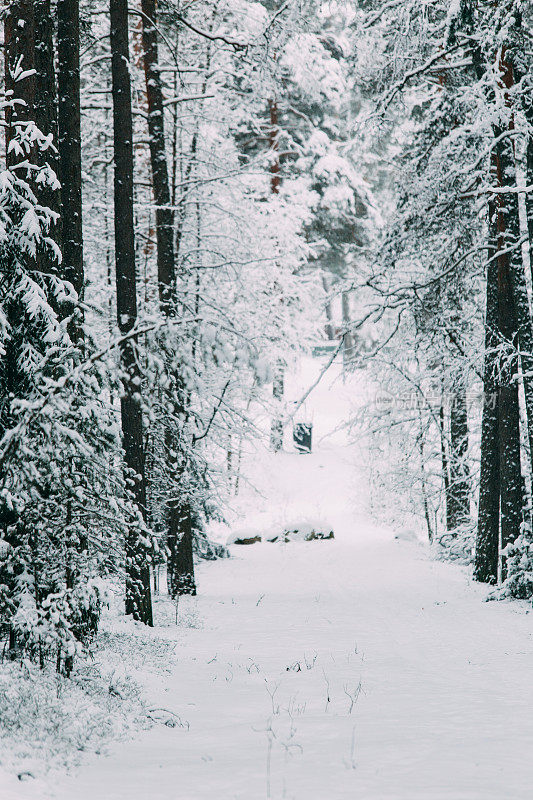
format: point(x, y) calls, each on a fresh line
point(45, 116)
point(488, 531)
point(164, 214)
point(138, 595)
point(278, 386)
point(423, 486)
point(529, 182)
point(512, 295)
point(330, 332)
point(45, 113)
point(69, 145)
point(180, 536)
point(346, 321)
point(19, 43)
point(180, 576)
point(444, 459)
point(458, 501)
point(278, 390)
point(511, 318)
point(273, 139)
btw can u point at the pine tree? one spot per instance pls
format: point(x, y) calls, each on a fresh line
point(138, 595)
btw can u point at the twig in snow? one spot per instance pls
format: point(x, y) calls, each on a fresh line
point(328, 698)
point(353, 695)
point(272, 694)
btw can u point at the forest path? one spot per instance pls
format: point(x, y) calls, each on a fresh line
point(444, 711)
point(355, 668)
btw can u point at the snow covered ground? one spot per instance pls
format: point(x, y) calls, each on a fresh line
point(356, 668)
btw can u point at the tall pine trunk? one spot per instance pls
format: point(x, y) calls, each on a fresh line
point(181, 578)
point(138, 594)
point(45, 108)
point(512, 323)
point(458, 498)
point(164, 215)
point(69, 144)
point(509, 259)
point(488, 530)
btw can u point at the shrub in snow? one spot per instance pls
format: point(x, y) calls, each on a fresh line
point(302, 532)
point(519, 560)
point(457, 545)
point(245, 536)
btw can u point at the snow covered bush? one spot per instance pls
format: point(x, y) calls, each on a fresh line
point(519, 562)
point(63, 509)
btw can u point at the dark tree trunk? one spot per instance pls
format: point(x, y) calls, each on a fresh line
point(180, 535)
point(45, 110)
point(164, 214)
point(513, 324)
point(69, 143)
point(138, 595)
point(19, 45)
point(180, 567)
point(518, 277)
point(458, 501)
point(444, 460)
point(510, 303)
point(488, 531)
point(508, 230)
point(45, 116)
point(529, 182)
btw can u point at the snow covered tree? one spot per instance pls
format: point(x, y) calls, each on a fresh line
point(63, 514)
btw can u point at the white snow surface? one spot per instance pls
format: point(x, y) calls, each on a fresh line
point(353, 668)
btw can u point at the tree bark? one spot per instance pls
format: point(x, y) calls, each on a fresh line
point(69, 144)
point(181, 578)
point(273, 139)
point(19, 46)
point(458, 502)
point(138, 594)
point(511, 318)
point(180, 534)
point(488, 531)
point(278, 390)
point(444, 458)
point(164, 214)
point(346, 321)
point(512, 296)
point(330, 332)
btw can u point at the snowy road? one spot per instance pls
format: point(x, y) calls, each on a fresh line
point(266, 685)
point(352, 669)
